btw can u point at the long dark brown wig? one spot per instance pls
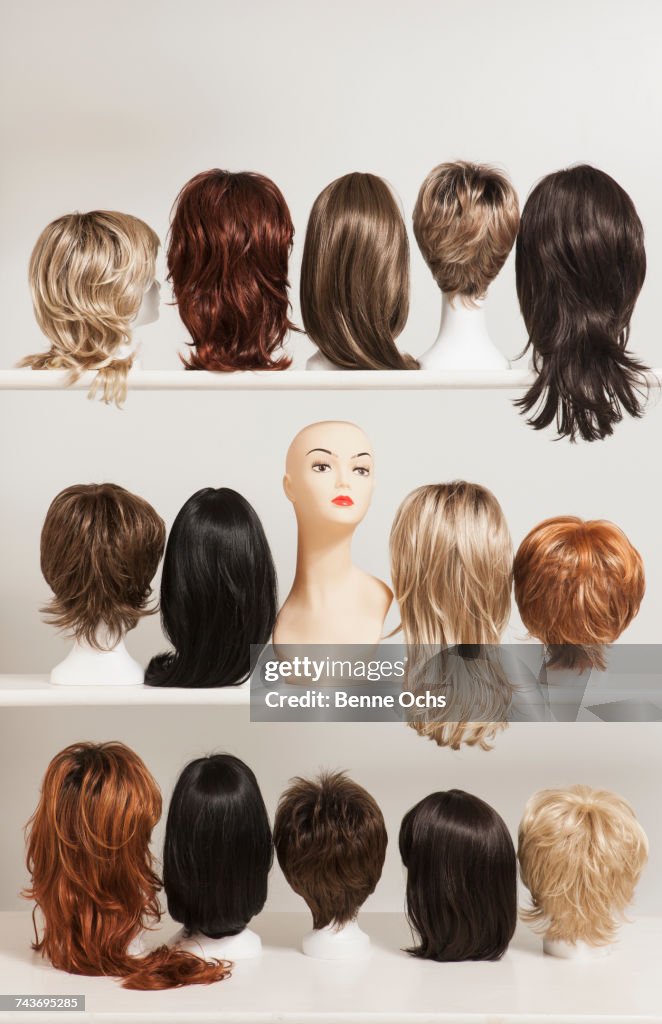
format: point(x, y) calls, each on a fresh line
point(228, 250)
point(92, 874)
point(580, 265)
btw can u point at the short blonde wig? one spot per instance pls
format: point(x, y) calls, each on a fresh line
point(88, 275)
point(581, 853)
point(451, 565)
point(465, 222)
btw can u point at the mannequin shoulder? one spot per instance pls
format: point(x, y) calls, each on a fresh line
point(375, 594)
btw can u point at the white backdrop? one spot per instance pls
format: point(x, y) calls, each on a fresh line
point(117, 105)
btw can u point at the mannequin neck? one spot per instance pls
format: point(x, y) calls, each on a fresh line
point(335, 942)
point(463, 340)
point(574, 950)
point(243, 946)
point(324, 558)
point(86, 665)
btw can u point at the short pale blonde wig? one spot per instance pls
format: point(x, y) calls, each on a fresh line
point(581, 853)
point(451, 565)
point(88, 275)
point(465, 222)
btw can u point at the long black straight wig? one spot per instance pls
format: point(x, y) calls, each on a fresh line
point(580, 264)
point(461, 878)
point(218, 847)
point(218, 592)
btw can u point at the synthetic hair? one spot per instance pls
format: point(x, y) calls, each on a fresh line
point(451, 566)
point(88, 275)
point(100, 548)
point(581, 852)
point(92, 873)
point(229, 244)
point(465, 222)
point(578, 585)
point(218, 847)
point(580, 265)
point(218, 592)
point(355, 275)
point(330, 840)
point(461, 878)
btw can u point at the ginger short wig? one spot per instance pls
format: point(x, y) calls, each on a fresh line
point(88, 275)
point(461, 878)
point(92, 873)
point(218, 593)
point(581, 852)
point(355, 275)
point(218, 847)
point(580, 265)
point(578, 585)
point(100, 548)
point(451, 566)
point(465, 222)
point(228, 251)
point(330, 842)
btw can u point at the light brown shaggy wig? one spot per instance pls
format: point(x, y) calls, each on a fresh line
point(330, 841)
point(88, 275)
point(451, 565)
point(355, 275)
point(92, 873)
point(581, 852)
point(578, 585)
point(100, 548)
point(465, 222)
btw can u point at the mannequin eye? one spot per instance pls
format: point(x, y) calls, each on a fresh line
point(362, 470)
point(321, 467)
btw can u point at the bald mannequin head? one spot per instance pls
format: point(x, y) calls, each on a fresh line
point(329, 475)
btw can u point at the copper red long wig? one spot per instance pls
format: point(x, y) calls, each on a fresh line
point(93, 879)
point(228, 250)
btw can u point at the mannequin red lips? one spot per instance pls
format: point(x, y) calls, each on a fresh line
point(343, 500)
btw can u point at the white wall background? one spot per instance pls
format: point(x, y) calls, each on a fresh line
point(117, 105)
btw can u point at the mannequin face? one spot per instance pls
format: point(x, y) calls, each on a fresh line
point(149, 307)
point(329, 474)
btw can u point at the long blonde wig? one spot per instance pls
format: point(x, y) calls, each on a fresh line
point(451, 565)
point(88, 275)
point(581, 853)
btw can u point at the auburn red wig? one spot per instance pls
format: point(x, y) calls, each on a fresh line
point(228, 249)
point(578, 585)
point(92, 873)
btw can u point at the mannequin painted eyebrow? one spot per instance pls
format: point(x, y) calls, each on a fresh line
point(334, 455)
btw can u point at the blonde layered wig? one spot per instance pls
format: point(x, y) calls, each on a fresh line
point(88, 275)
point(465, 222)
point(581, 853)
point(451, 564)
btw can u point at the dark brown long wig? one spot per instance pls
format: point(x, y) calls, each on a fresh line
point(92, 874)
point(580, 265)
point(228, 250)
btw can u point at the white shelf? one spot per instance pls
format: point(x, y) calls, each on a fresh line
point(284, 987)
point(29, 690)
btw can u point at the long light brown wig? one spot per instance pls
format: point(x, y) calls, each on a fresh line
point(88, 275)
point(578, 585)
point(451, 565)
point(100, 548)
point(355, 275)
point(92, 873)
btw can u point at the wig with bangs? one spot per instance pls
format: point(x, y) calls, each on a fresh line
point(100, 549)
point(578, 586)
point(581, 852)
point(330, 840)
point(228, 251)
point(465, 222)
point(580, 265)
point(88, 274)
point(355, 275)
point(92, 873)
point(451, 566)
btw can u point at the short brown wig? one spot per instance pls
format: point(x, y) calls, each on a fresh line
point(465, 222)
point(100, 548)
point(228, 251)
point(330, 840)
point(355, 275)
point(578, 585)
